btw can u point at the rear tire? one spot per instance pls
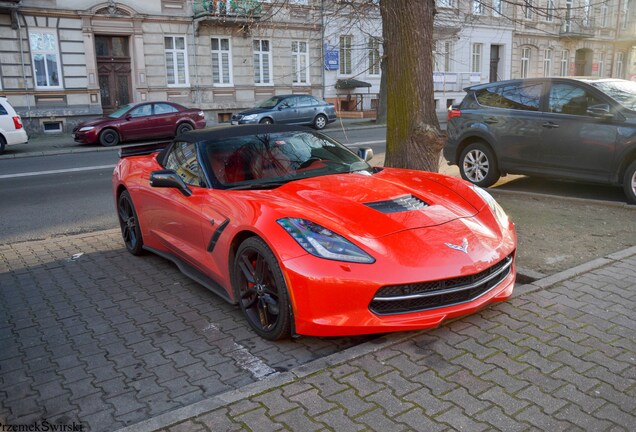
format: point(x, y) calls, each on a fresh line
point(629, 183)
point(3, 144)
point(320, 122)
point(478, 165)
point(109, 138)
point(129, 223)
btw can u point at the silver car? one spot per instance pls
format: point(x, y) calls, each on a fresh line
point(289, 109)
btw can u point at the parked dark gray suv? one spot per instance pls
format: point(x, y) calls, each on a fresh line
point(579, 129)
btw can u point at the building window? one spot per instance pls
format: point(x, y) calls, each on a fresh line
point(176, 60)
point(565, 63)
point(221, 61)
point(46, 59)
point(569, 5)
point(549, 12)
point(345, 54)
point(528, 9)
point(475, 64)
point(478, 7)
point(604, 14)
point(443, 58)
point(300, 62)
point(587, 10)
point(547, 63)
point(620, 58)
point(262, 62)
point(497, 8)
point(625, 12)
point(601, 64)
point(374, 55)
point(525, 62)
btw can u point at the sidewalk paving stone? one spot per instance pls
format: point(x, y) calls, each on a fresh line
point(104, 340)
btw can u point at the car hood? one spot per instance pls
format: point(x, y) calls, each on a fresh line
point(95, 122)
point(255, 111)
point(374, 206)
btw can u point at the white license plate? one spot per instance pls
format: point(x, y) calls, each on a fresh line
point(73, 136)
point(234, 122)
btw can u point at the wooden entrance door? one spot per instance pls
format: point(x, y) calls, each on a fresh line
point(113, 69)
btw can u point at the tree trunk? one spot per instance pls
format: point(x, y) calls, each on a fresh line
point(413, 137)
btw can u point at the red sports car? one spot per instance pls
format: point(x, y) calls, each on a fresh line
point(308, 238)
point(140, 121)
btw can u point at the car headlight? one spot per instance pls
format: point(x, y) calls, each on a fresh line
point(495, 208)
point(86, 128)
point(323, 243)
point(250, 117)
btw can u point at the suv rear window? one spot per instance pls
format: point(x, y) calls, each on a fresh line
point(522, 96)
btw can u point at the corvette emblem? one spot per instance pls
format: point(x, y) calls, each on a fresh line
point(463, 247)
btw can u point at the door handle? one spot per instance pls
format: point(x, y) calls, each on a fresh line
point(491, 120)
point(550, 125)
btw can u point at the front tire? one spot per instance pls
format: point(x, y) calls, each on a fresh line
point(109, 138)
point(266, 120)
point(129, 223)
point(320, 122)
point(478, 165)
point(629, 183)
point(261, 291)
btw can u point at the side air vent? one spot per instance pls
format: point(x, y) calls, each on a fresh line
point(400, 204)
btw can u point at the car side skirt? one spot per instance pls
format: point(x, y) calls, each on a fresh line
point(194, 274)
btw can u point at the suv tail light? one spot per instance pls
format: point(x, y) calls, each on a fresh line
point(453, 111)
point(17, 122)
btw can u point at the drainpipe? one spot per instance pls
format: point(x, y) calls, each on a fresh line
point(196, 64)
point(26, 86)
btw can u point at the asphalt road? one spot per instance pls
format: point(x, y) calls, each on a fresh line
point(58, 194)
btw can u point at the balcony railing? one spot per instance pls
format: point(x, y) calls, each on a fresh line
point(577, 28)
point(228, 8)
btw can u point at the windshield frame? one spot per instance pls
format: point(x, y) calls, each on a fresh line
point(276, 158)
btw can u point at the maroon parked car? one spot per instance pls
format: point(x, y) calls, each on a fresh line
point(140, 121)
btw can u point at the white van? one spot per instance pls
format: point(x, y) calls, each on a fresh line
point(11, 128)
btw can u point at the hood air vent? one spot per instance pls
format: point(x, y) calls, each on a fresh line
point(400, 204)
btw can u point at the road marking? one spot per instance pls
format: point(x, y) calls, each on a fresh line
point(245, 359)
point(60, 171)
point(366, 143)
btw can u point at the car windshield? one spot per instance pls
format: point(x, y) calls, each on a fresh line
point(270, 103)
point(271, 160)
point(120, 111)
point(623, 92)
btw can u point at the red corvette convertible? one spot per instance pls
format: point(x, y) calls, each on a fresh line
point(307, 238)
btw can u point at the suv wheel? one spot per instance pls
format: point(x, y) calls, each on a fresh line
point(478, 165)
point(629, 183)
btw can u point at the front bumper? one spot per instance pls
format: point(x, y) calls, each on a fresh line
point(86, 137)
point(332, 298)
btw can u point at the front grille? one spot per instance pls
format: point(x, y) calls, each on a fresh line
point(400, 204)
point(420, 296)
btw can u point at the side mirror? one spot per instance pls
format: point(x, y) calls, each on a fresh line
point(169, 179)
point(365, 153)
point(601, 111)
point(280, 107)
point(128, 116)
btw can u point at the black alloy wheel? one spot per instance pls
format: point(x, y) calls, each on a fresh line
point(129, 224)
point(109, 138)
point(266, 120)
point(261, 291)
point(183, 128)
